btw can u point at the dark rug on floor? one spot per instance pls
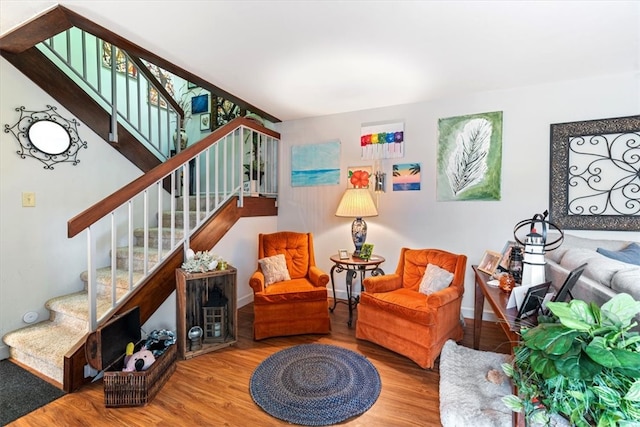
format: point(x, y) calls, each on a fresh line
point(315, 384)
point(22, 392)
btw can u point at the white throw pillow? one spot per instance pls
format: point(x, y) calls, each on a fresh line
point(435, 279)
point(274, 269)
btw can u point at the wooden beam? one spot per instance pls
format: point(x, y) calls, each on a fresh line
point(46, 25)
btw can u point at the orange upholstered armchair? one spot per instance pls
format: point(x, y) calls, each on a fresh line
point(296, 302)
point(396, 315)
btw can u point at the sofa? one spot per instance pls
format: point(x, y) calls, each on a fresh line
point(603, 277)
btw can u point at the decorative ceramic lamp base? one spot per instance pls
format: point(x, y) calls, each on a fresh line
point(358, 234)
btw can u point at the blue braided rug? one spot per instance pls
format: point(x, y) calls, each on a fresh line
point(315, 384)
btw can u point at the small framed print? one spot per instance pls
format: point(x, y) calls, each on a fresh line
point(490, 261)
point(366, 251)
point(343, 254)
point(205, 122)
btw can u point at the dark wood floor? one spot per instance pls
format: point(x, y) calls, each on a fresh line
point(213, 389)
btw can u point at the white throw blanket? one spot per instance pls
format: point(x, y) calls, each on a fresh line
point(467, 398)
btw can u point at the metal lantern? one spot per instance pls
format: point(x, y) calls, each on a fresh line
point(214, 317)
point(215, 325)
point(515, 264)
point(535, 244)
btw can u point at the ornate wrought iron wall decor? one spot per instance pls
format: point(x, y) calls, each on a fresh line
point(47, 136)
point(595, 174)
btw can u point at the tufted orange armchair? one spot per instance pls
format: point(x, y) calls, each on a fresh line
point(290, 307)
point(393, 314)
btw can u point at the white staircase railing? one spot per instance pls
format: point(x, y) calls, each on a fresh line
point(123, 86)
point(150, 205)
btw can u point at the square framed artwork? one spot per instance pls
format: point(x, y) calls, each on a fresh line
point(406, 177)
point(359, 176)
point(594, 174)
point(200, 104)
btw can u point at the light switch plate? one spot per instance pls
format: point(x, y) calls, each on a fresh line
point(28, 199)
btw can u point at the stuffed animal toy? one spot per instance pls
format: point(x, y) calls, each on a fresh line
point(139, 361)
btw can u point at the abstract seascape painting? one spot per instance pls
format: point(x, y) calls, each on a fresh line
point(315, 164)
point(470, 157)
point(406, 177)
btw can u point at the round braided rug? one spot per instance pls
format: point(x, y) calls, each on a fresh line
point(315, 384)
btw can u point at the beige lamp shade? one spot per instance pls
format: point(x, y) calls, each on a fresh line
point(357, 203)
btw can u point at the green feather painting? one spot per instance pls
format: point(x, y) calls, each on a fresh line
point(470, 157)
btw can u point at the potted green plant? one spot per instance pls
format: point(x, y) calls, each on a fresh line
point(581, 362)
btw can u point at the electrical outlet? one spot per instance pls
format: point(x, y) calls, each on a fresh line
point(28, 199)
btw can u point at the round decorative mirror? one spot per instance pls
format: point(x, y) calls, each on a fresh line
point(49, 137)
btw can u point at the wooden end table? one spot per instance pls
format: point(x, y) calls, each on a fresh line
point(498, 301)
point(506, 317)
point(352, 266)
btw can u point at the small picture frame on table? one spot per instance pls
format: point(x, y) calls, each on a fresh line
point(366, 251)
point(343, 254)
point(489, 262)
point(506, 256)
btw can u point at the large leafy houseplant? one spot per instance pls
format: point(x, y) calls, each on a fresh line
point(582, 362)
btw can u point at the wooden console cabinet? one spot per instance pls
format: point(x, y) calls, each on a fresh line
point(194, 294)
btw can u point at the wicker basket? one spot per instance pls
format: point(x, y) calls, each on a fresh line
point(139, 388)
point(105, 351)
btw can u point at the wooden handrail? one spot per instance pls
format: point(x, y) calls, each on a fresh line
point(99, 210)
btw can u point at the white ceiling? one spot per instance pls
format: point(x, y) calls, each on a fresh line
point(297, 59)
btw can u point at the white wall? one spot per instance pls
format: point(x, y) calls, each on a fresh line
point(414, 218)
point(37, 260)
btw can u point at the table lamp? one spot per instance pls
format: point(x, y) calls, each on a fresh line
point(358, 203)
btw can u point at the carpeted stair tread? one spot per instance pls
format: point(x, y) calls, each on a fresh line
point(48, 341)
point(54, 372)
point(76, 305)
point(103, 278)
point(153, 232)
point(122, 257)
